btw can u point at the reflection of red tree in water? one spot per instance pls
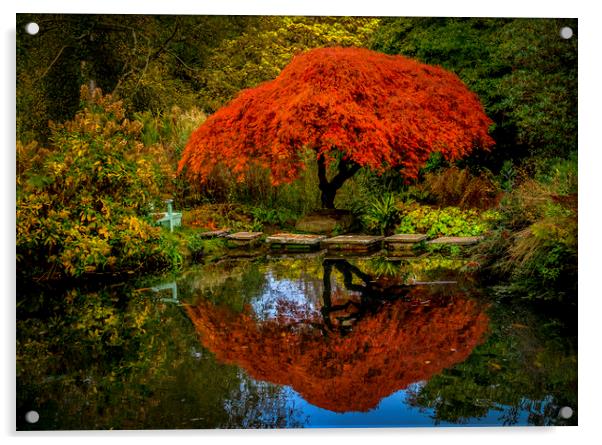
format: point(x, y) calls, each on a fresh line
point(400, 343)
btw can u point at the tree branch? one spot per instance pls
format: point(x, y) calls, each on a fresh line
point(346, 170)
point(47, 70)
point(169, 39)
point(182, 62)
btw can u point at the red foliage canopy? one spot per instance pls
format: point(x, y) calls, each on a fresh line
point(379, 111)
point(402, 343)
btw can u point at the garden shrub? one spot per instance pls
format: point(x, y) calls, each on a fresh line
point(381, 215)
point(256, 189)
point(447, 221)
point(218, 216)
point(83, 201)
point(535, 248)
point(280, 217)
point(171, 130)
point(537, 263)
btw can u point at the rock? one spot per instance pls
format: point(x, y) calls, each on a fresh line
point(326, 222)
point(240, 239)
point(294, 241)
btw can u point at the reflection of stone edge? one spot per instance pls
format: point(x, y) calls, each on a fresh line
point(352, 247)
point(288, 247)
point(342, 254)
point(408, 248)
point(276, 255)
point(346, 248)
point(392, 257)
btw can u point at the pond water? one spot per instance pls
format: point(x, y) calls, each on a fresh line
point(292, 341)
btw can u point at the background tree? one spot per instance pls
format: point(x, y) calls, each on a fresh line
point(267, 44)
point(155, 62)
point(354, 108)
point(523, 71)
point(150, 62)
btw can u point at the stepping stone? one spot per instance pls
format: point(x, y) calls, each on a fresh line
point(403, 238)
point(294, 241)
point(243, 238)
point(354, 243)
point(404, 242)
point(402, 255)
point(457, 240)
point(213, 234)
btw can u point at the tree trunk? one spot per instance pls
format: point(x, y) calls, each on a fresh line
point(329, 188)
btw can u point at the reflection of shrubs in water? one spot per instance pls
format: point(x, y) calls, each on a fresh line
point(429, 268)
point(401, 343)
point(528, 364)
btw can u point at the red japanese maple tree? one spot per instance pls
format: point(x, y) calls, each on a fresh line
point(354, 107)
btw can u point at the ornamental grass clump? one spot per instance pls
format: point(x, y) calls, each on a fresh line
point(534, 250)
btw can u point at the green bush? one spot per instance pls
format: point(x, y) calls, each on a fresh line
point(447, 221)
point(271, 216)
point(381, 215)
point(534, 252)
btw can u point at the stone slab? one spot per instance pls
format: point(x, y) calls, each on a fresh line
point(353, 243)
point(353, 240)
point(244, 236)
point(403, 238)
point(295, 239)
point(243, 239)
point(457, 240)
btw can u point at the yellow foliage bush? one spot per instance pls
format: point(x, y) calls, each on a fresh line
point(83, 201)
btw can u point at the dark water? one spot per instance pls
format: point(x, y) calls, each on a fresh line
point(292, 342)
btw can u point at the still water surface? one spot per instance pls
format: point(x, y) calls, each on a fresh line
point(300, 341)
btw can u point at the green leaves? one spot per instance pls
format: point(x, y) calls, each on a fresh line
point(447, 221)
point(267, 44)
point(524, 73)
point(382, 214)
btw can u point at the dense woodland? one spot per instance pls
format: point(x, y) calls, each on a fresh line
point(107, 104)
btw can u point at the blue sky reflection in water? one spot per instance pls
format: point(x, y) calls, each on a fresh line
point(123, 358)
point(392, 411)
